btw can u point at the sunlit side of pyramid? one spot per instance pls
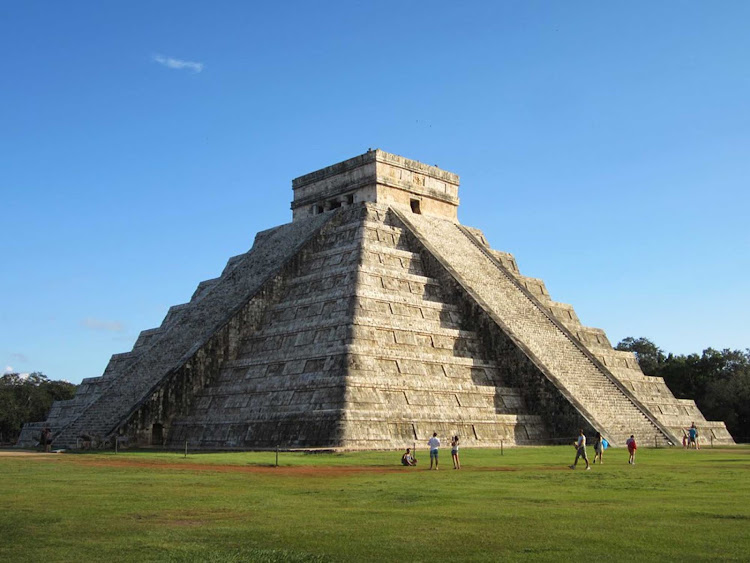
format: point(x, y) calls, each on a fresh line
point(371, 321)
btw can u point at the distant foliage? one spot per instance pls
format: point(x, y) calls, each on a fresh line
point(718, 381)
point(27, 399)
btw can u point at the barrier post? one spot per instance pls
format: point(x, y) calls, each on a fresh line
point(277, 456)
point(501, 448)
point(185, 448)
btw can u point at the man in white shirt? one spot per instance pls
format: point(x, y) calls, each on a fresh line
point(434, 444)
point(581, 450)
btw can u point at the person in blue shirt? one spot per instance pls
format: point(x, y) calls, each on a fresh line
point(693, 437)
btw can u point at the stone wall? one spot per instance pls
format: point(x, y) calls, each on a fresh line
point(415, 368)
point(286, 385)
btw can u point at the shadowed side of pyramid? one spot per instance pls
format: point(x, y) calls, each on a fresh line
point(195, 339)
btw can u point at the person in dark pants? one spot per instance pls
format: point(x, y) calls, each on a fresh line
point(408, 459)
point(46, 440)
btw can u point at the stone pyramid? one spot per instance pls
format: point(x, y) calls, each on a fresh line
point(370, 321)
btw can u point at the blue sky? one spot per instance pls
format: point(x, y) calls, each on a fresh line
point(144, 143)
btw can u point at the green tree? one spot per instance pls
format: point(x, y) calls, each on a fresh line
point(718, 381)
point(28, 399)
point(650, 357)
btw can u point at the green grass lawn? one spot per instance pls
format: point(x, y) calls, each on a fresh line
point(524, 505)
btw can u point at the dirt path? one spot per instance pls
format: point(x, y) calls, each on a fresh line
point(22, 453)
point(300, 470)
point(296, 470)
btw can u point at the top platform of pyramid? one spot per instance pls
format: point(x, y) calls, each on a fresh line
point(379, 177)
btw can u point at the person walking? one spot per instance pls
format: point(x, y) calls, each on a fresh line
point(632, 446)
point(598, 447)
point(454, 453)
point(580, 446)
point(434, 444)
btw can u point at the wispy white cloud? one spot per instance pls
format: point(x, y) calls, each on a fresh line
point(98, 324)
point(177, 64)
point(9, 369)
point(23, 358)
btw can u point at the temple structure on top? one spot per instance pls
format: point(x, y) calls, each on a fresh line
point(377, 177)
point(372, 320)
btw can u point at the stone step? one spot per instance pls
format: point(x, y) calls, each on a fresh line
point(202, 288)
point(330, 275)
point(196, 326)
point(306, 321)
point(410, 357)
point(409, 321)
point(526, 319)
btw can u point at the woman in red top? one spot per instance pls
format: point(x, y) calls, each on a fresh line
point(631, 449)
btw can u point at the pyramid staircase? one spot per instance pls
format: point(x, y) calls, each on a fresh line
point(596, 393)
point(360, 351)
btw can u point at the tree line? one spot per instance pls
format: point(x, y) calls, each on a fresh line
point(27, 399)
point(718, 380)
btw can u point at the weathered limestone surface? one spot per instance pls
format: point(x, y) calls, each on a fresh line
point(414, 368)
point(359, 351)
point(674, 414)
point(191, 328)
point(286, 384)
point(371, 321)
point(598, 396)
point(377, 176)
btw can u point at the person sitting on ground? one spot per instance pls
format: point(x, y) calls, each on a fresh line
point(630, 443)
point(408, 459)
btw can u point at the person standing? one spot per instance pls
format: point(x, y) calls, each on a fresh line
point(580, 446)
point(632, 446)
point(47, 439)
point(454, 453)
point(434, 444)
point(693, 435)
point(598, 447)
point(43, 438)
